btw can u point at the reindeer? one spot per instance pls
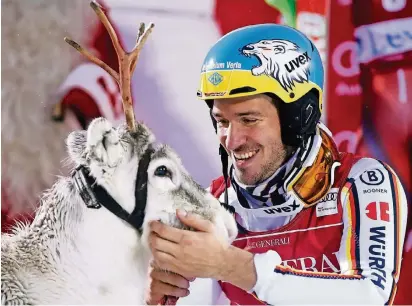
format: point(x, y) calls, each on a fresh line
point(88, 241)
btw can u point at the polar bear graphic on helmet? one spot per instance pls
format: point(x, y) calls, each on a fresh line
point(279, 59)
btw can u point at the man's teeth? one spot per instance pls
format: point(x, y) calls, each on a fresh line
point(245, 155)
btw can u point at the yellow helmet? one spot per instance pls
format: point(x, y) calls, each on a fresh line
point(272, 59)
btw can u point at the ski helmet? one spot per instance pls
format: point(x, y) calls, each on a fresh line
point(272, 59)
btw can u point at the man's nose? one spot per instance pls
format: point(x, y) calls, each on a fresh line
point(235, 137)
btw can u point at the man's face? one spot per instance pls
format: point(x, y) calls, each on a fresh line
point(249, 130)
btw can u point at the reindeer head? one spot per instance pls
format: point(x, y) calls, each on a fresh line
point(144, 179)
point(113, 159)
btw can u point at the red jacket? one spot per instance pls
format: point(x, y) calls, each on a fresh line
point(344, 244)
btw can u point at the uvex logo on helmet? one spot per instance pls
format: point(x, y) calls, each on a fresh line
point(281, 60)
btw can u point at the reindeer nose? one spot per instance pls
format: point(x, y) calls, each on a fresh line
point(247, 48)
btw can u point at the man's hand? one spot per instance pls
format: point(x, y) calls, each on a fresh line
point(188, 253)
point(203, 253)
point(163, 283)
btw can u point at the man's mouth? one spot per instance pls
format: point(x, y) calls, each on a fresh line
point(245, 156)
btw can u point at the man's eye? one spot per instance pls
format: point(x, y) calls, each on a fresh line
point(222, 123)
point(249, 120)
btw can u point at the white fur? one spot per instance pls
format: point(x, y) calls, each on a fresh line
point(71, 254)
point(273, 56)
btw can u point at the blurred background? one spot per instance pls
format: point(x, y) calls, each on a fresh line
point(48, 89)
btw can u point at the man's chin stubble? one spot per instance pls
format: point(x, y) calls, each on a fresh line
point(248, 180)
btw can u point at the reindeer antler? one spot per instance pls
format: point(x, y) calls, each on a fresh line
point(127, 61)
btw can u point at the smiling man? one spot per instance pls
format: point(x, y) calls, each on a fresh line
point(315, 225)
point(255, 155)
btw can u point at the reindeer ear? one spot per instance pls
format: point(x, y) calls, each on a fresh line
point(76, 146)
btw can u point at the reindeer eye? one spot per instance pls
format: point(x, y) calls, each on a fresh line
point(162, 171)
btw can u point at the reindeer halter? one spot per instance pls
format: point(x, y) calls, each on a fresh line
point(95, 196)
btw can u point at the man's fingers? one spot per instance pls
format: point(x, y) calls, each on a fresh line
point(157, 243)
point(167, 289)
point(158, 290)
point(154, 298)
point(170, 278)
point(164, 283)
point(195, 221)
point(164, 261)
point(166, 232)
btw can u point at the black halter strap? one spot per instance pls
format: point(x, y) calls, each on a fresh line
point(95, 196)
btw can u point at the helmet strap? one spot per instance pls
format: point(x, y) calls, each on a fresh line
point(224, 158)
